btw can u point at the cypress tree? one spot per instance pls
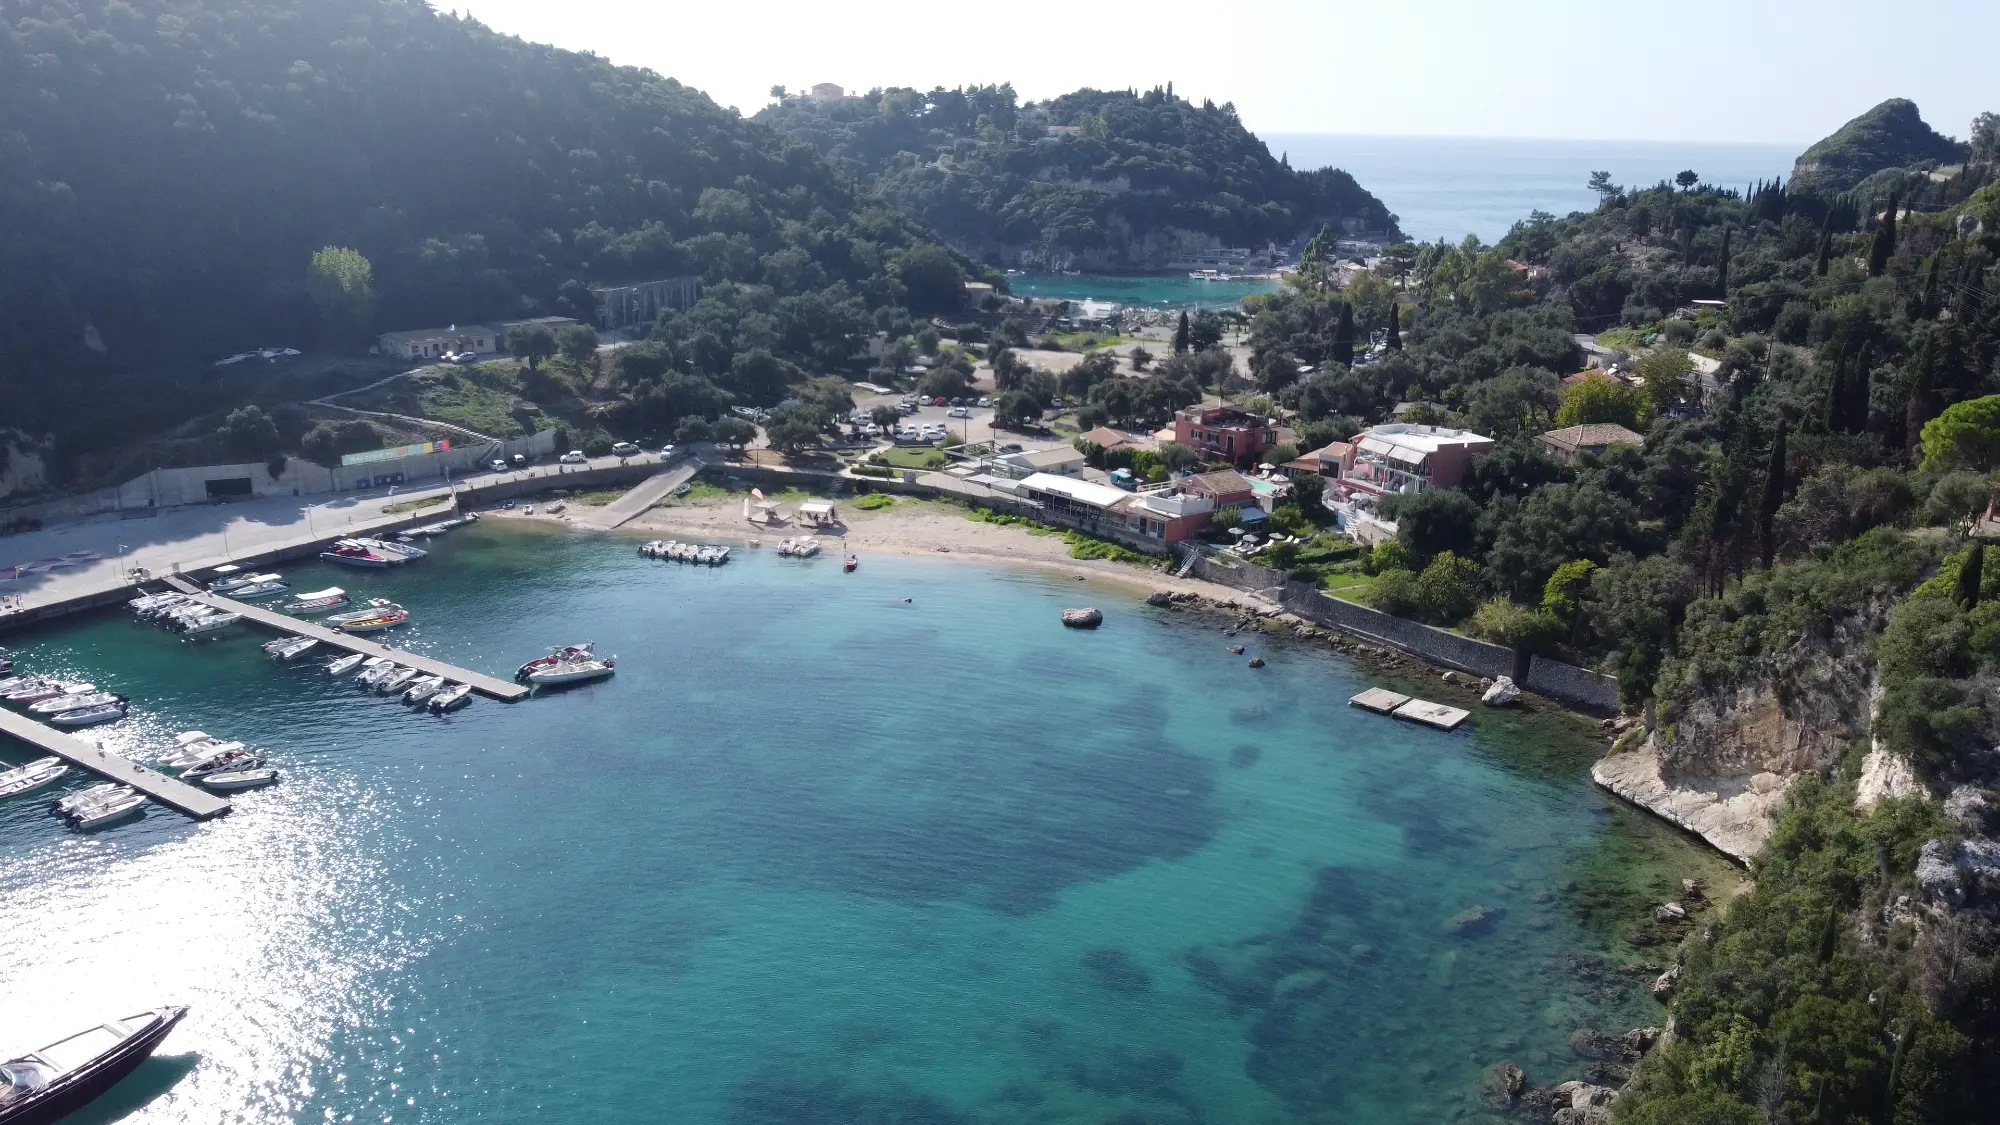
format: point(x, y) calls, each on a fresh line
point(1884, 246)
point(1774, 495)
point(1395, 332)
point(1969, 575)
point(1181, 335)
point(1913, 305)
point(1722, 267)
point(1825, 245)
point(1930, 289)
point(1343, 336)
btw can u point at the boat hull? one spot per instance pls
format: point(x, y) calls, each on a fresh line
point(86, 1083)
point(364, 562)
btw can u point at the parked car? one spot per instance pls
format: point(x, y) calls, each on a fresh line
point(667, 450)
point(1011, 447)
point(958, 412)
point(985, 400)
point(574, 457)
point(497, 465)
point(625, 449)
point(465, 357)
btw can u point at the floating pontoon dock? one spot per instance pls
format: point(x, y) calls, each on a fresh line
point(503, 690)
point(1382, 701)
point(178, 795)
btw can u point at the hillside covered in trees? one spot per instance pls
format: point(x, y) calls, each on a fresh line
point(1092, 179)
point(170, 168)
point(1781, 574)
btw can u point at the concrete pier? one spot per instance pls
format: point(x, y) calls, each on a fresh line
point(504, 690)
point(173, 793)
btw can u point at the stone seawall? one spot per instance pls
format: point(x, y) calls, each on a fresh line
point(1565, 683)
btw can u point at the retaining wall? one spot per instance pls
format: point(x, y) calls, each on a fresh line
point(1565, 683)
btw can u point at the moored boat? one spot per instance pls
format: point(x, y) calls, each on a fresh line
point(63, 1077)
point(396, 553)
point(236, 580)
point(257, 591)
point(376, 622)
point(850, 564)
point(223, 763)
point(211, 623)
point(573, 671)
point(46, 689)
point(84, 798)
point(240, 779)
point(555, 656)
point(33, 776)
point(198, 752)
point(345, 664)
point(91, 716)
point(394, 685)
point(349, 553)
point(107, 812)
point(333, 597)
point(451, 698)
point(70, 702)
point(422, 688)
point(291, 648)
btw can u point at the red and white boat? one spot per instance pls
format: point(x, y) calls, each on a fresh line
point(347, 552)
point(566, 654)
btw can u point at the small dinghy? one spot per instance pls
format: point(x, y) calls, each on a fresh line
point(451, 698)
point(33, 776)
point(850, 564)
point(240, 779)
point(333, 597)
point(345, 664)
point(227, 762)
point(91, 716)
point(111, 811)
point(422, 688)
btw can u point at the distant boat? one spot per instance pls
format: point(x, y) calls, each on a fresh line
point(36, 774)
point(63, 1077)
point(396, 553)
point(46, 689)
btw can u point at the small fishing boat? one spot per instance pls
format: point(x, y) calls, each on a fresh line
point(223, 763)
point(345, 664)
point(33, 776)
point(63, 1077)
point(107, 812)
point(422, 688)
point(574, 671)
point(240, 779)
point(850, 564)
point(556, 656)
point(291, 648)
point(349, 553)
point(63, 703)
point(46, 689)
point(258, 591)
point(380, 614)
point(213, 623)
point(91, 716)
point(394, 685)
point(333, 597)
point(451, 698)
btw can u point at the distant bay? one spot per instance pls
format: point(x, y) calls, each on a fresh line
point(1448, 187)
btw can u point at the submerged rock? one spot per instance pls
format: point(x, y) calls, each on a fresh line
point(1256, 662)
point(1236, 650)
point(1473, 921)
point(1085, 618)
point(1503, 1086)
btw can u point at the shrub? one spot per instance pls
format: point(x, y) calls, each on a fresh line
point(1395, 592)
point(875, 501)
point(1447, 589)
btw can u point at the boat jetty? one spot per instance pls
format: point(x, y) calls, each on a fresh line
point(1382, 701)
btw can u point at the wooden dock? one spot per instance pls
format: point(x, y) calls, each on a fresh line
point(505, 691)
point(171, 792)
point(1382, 701)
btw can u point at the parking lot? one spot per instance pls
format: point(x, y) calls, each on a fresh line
point(977, 426)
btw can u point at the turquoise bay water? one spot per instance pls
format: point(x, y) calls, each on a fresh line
point(1448, 187)
point(817, 854)
point(1149, 291)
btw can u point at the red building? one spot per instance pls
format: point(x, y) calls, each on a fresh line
point(1226, 433)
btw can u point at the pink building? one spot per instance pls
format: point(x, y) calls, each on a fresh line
point(1226, 433)
point(1404, 457)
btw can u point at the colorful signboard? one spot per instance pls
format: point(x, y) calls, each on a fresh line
point(396, 453)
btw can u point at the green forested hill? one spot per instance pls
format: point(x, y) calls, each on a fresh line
point(1141, 178)
point(168, 167)
point(1891, 135)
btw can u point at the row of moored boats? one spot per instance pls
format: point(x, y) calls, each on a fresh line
point(384, 676)
point(62, 703)
point(702, 554)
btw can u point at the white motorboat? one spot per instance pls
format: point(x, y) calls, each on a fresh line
point(198, 752)
point(257, 591)
point(403, 678)
point(240, 779)
point(394, 552)
point(333, 597)
point(573, 671)
point(16, 683)
point(71, 702)
point(349, 553)
point(422, 688)
point(223, 763)
point(91, 716)
point(214, 623)
point(555, 656)
point(345, 664)
point(46, 689)
point(291, 648)
point(33, 776)
point(451, 698)
point(378, 674)
point(108, 812)
point(84, 798)
point(237, 581)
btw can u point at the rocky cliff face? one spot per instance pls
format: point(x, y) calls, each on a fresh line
point(1720, 768)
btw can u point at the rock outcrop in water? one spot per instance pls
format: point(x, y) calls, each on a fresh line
point(1085, 618)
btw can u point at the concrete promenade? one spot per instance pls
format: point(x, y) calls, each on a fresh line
point(175, 794)
point(492, 687)
point(635, 502)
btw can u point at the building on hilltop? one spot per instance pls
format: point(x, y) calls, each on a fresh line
point(1403, 457)
point(1566, 444)
point(1228, 432)
point(627, 306)
point(826, 92)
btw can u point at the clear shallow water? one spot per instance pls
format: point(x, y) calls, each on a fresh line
point(1448, 187)
point(1156, 291)
point(816, 855)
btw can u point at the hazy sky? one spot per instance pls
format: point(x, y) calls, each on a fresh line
point(1714, 70)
